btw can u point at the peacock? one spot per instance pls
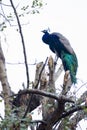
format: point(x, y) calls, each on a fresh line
point(60, 45)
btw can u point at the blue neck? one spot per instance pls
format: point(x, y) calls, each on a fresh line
point(45, 38)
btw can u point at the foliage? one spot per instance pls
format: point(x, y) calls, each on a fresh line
point(32, 7)
point(13, 120)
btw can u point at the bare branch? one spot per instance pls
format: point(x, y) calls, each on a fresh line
point(73, 120)
point(46, 94)
point(23, 43)
point(19, 63)
point(82, 98)
point(5, 18)
point(66, 83)
point(81, 114)
point(51, 83)
point(49, 86)
point(39, 70)
point(1, 117)
point(4, 4)
point(74, 109)
point(83, 85)
point(1, 95)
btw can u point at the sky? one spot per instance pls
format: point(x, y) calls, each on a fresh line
point(68, 17)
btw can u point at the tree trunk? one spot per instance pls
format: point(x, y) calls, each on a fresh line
point(4, 82)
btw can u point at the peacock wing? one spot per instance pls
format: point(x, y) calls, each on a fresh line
point(65, 42)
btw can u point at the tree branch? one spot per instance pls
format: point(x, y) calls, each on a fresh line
point(49, 86)
point(73, 120)
point(60, 98)
point(39, 69)
point(66, 83)
point(23, 43)
point(77, 108)
point(4, 4)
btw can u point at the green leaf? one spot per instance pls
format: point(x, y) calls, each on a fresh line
point(0, 100)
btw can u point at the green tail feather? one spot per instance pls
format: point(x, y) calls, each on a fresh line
point(70, 63)
point(73, 78)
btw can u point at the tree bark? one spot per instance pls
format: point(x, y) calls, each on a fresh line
point(4, 81)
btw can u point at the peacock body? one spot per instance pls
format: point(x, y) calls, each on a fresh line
point(61, 46)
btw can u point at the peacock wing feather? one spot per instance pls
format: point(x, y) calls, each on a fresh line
point(64, 41)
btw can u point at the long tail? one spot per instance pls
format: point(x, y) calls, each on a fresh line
point(74, 69)
point(70, 63)
point(73, 78)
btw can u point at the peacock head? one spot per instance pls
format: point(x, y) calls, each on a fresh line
point(46, 31)
point(45, 37)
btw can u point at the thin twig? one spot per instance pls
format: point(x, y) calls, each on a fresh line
point(83, 85)
point(23, 43)
point(41, 72)
point(1, 117)
point(28, 106)
point(4, 4)
point(19, 63)
point(3, 15)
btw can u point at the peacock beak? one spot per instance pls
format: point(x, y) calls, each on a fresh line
point(43, 31)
